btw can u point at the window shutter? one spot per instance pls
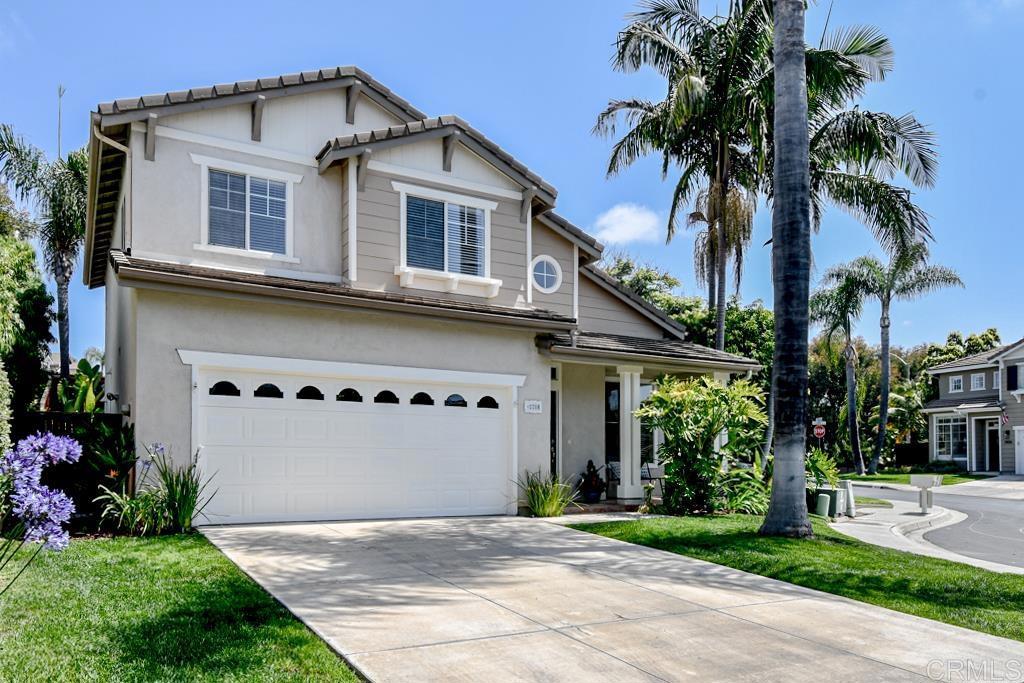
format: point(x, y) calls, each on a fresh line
point(227, 209)
point(1011, 378)
point(424, 233)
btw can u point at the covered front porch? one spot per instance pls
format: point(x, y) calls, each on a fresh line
point(969, 434)
point(597, 384)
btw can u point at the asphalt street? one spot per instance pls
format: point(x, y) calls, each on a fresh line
point(993, 530)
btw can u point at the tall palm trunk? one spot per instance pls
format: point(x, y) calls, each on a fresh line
point(884, 381)
point(62, 275)
point(712, 286)
point(851, 405)
point(723, 260)
point(769, 432)
point(791, 261)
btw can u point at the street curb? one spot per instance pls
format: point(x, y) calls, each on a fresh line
point(940, 517)
point(888, 486)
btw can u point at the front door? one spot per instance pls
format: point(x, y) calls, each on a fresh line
point(993, 446)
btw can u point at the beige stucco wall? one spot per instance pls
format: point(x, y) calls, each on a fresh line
point(582, 417)
point(168, 208)
point(170, 321)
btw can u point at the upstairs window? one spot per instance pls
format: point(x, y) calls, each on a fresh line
point(978, 381)
point(263, 227)
point(445, 236)
point(956, 384)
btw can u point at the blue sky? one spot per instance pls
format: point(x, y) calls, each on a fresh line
point(533, 75)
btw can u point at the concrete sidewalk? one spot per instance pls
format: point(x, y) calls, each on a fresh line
point(1003, 487)
point(514, 599)
point(903, 527)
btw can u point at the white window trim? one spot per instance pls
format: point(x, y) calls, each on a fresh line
point(438, 280)
point(205, 164)
point(956, 391)
point(974, 376)
point(949, 418)
point(558, 274)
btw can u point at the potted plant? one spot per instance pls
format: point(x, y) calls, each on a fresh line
point(591, 483)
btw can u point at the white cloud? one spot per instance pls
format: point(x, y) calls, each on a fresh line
point(625, 223)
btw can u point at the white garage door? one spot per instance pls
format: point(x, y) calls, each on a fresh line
point(285, 447)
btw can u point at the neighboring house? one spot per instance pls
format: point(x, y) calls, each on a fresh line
point(347, 309)
point(978, 418)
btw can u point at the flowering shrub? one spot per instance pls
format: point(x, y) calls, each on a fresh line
point(29, 511)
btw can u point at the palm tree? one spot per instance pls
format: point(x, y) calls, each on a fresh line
point(737, 218)
point(836, 308)
point(58, 188)
point(908, 275)
point(712, 121)
point(791, 265)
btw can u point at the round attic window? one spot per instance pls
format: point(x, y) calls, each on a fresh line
point(546, 273)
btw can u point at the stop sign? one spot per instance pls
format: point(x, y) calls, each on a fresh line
point(819, 431)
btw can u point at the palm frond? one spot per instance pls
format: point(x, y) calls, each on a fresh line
point(925, 279)
point(887, 210)
point(21, 164)
point(866, 46)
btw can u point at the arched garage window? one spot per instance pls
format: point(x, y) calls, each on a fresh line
point(224, 388)
point(310, 393)
point(350, 395)
point(487, 402)
point(421, 399)
point(385, 397)
point(455, 401)
point(268, 390)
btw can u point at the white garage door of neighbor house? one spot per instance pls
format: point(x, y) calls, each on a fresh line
point(302, 448)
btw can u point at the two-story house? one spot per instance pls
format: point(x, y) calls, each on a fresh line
point(345, 308)
point(978, 418)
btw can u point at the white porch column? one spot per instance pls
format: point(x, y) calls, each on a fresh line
point(630, 489)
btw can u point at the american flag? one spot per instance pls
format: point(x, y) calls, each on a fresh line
point(1005, 418)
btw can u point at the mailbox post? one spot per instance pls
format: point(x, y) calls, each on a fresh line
point(925, 483)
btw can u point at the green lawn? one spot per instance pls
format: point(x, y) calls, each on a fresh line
point(868, 501)
point(170, 608)
point(937, 589)
point(884, 477)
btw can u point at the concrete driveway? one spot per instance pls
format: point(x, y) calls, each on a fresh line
point(495, 599)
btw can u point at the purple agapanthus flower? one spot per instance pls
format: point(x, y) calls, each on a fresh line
point(44, 511)
point(41, 509)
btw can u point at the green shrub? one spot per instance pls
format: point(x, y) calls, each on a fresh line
point(821, 469)
point(169, 505)
point(693, 414)
point(545, 495)
point(746, 491)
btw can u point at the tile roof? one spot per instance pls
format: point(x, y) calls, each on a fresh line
point(219, 278)
point(980, 403)
point(413, 128)
point(983, 358)
point(673, 349)
point(273, 83)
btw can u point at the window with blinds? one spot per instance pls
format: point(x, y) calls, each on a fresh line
point(247, 212)
point(445, 236)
